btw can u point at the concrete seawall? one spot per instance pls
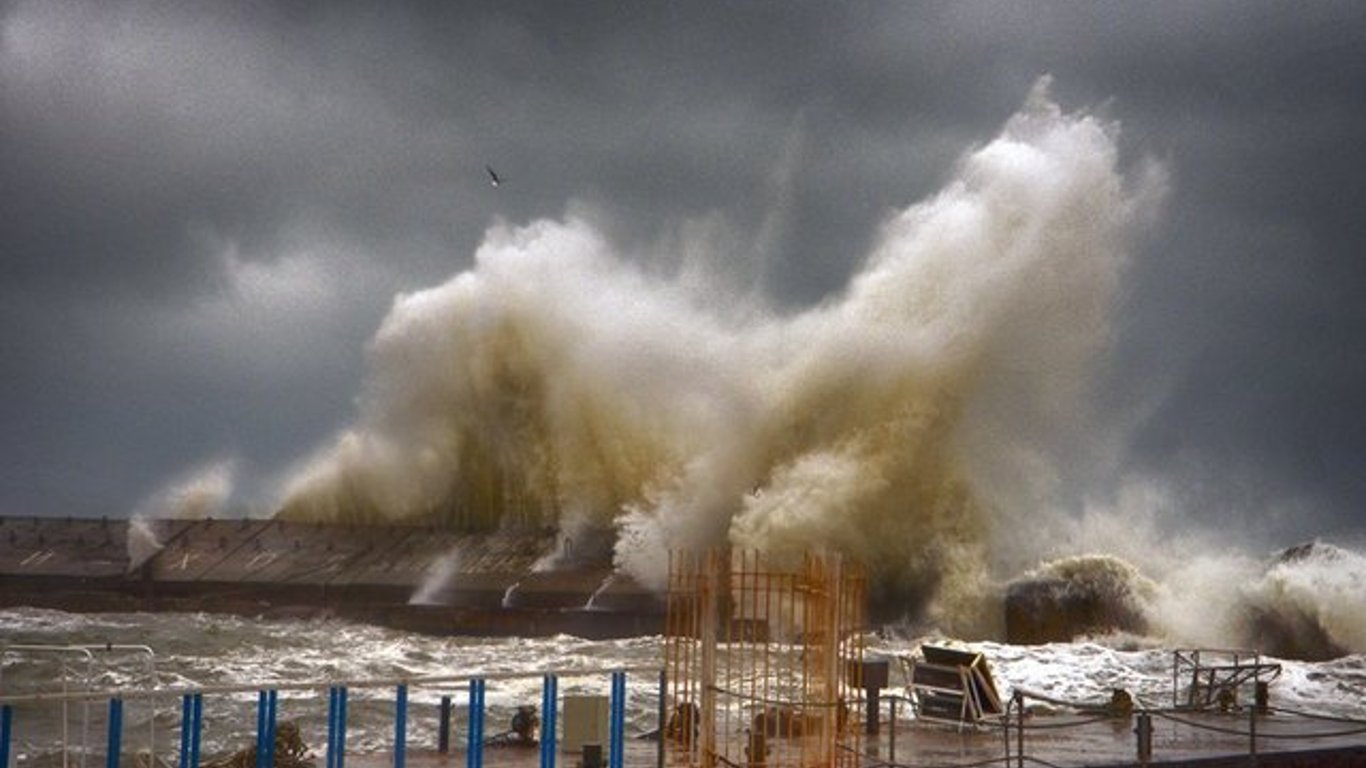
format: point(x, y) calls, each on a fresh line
point(422, 579)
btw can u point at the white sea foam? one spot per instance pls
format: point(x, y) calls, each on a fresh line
point(908, 420)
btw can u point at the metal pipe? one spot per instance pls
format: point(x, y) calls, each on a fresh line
point(341, 727)
point(186, 708)
point(400, 724)
point(617, 720)
point(261, 729)
point(198, 721)
point(663, 717)
point(272, 701)
point(6, 722)
point(549, 700)
point(474, 754)
point(443, 728)
point(111, 757)
point(330, 760)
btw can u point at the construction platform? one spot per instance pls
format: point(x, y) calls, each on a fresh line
point(416, 578)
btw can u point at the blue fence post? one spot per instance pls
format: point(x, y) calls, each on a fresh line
point(474, 756)
point(260, 729)
point(400, 725)
point(617, 720)
point(6, 722)
point(197, 720)
point(186, 713)
point(111, 759)
point(330, 758)
point(549, 713)
point(341, 727)
point(272, 701)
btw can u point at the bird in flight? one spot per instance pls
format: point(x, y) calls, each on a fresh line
point(494, 178)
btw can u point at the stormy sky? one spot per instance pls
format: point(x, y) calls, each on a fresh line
point(208, 208)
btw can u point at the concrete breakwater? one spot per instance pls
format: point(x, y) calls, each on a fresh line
point(418, 578)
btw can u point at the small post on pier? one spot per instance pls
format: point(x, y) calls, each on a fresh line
point(474, 756)
point(196, 726)
point(1144, 731)
point(272, 702)
point(186, 715)
point(1019, 729)
point(891, 730)
point(617, 720)
point(265, 728)
point(443, 727)
point(111, 759)
point(400, 725)
point(549, 715)
point(663, 717)
point(6, 723)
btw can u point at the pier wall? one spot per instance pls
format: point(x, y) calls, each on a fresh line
point(423, 579)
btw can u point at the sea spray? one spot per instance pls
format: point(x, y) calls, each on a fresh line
point(438, 580)
point(195, 495)
point(556, 379)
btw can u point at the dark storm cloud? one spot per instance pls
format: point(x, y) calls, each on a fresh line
point(207, 209)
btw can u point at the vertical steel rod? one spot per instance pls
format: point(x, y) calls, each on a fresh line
point(111, 758)
point(261, 729)
point(400, 725)
point(549, 701)
point(663, 717)
point(330, 761)
point(443, 727)
point(617, 720)
point(186, 710)
point(474, 755)
point(341, 727)
point(272, 702)
point(6, 723)
point(196, 725)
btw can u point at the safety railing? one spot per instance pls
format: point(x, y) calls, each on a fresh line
point(1017, 725)
point(14, 706)
point(77, 671)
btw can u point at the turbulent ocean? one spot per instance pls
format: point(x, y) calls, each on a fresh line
point(201, 650)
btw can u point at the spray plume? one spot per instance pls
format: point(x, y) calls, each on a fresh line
point(555, 383)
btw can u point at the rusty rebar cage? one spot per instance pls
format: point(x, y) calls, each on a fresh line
point(761, 661)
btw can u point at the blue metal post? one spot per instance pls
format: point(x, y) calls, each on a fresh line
point(617, 720)
point(111, 759)
point(272, 702)
point(197, 719)
point(330, 761)
point(400, 725)
point(341, 727)
point(260, 729)
point(186, 713)
point(474, 755)
point(6, 722)
point(549, 698)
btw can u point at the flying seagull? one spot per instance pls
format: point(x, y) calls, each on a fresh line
point(494, 178)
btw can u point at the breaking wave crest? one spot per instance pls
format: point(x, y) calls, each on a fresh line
point(555, 383)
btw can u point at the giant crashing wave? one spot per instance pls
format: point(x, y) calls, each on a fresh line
point(914, 420)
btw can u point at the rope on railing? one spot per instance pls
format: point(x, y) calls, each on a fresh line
point(1259, 734)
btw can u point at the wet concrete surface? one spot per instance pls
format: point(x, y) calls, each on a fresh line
point(424, 579)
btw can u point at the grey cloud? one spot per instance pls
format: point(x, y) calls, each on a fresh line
point(140, 142)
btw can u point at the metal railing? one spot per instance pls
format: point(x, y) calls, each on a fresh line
point(14, 705)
